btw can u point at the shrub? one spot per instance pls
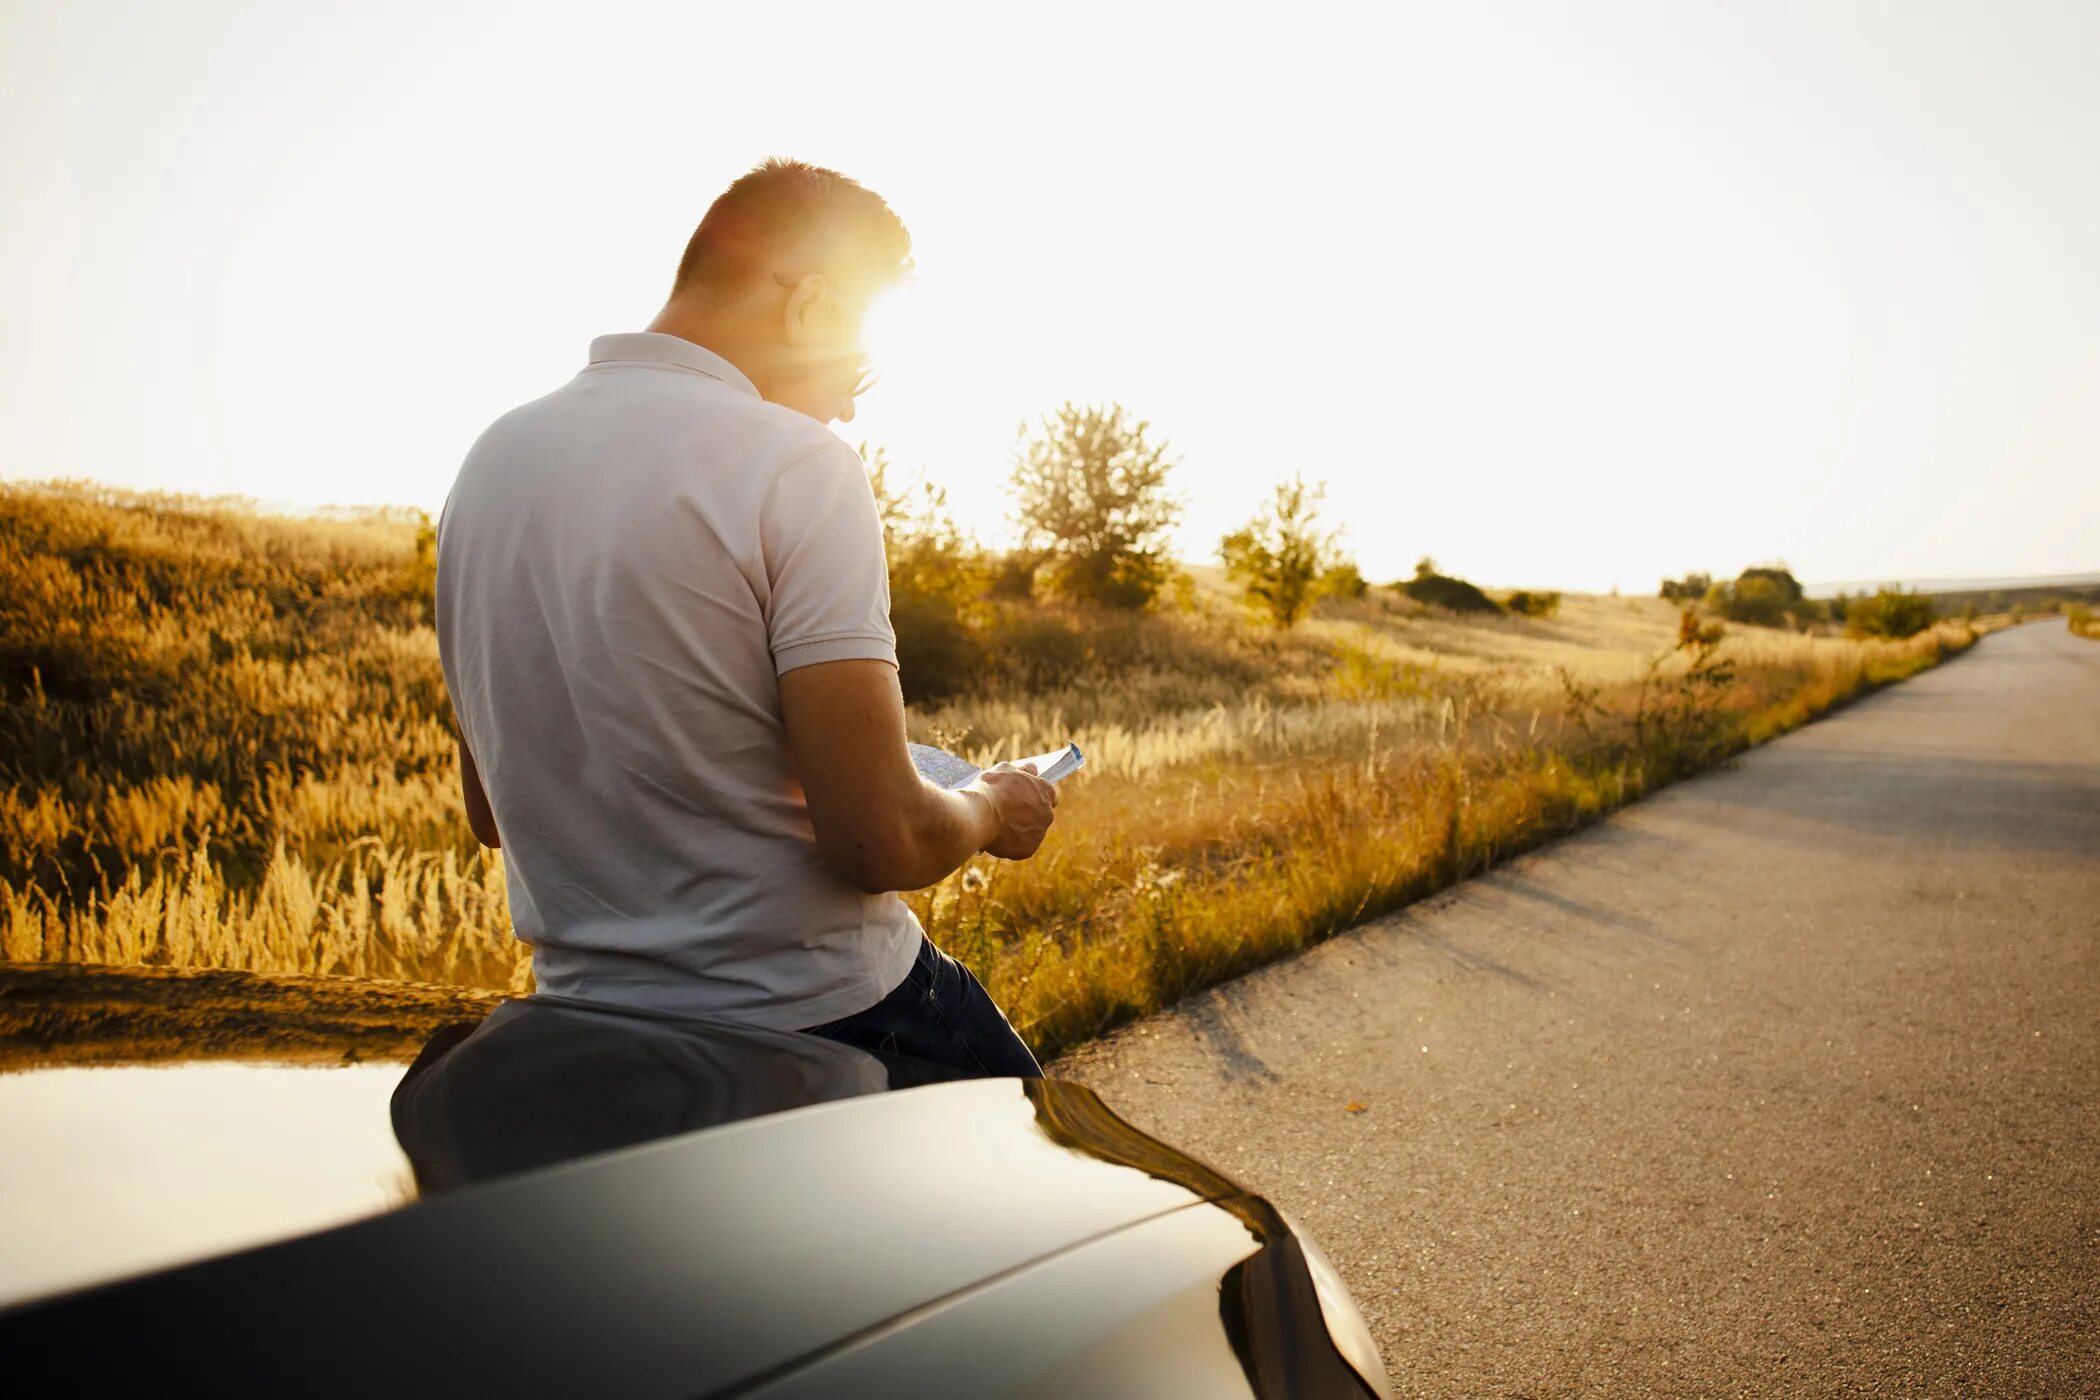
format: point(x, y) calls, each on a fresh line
point(1763, 596)
point(1778, 576)
point(1892, 612)
point(1280, 558)
point(1440, 590)
point(1344, 580)
point(1013, 575)
point(1090, 493)
point(1032, 650)
point(929, 555)
point(1692, 588)
point(938, 578)
point(1532, 604)
point(937, 654)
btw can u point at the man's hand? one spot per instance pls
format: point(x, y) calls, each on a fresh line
point(878, 824)
point(1026, 806)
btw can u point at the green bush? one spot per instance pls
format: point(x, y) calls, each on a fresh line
point(1690, 589)
point(1280, 558)
point(1764, 596)
point(938, 581)
point(1013, 575)
point(1032, 649)
point(1130, 580)
point(1542, 603)
point(929, 555)
point(937, 654)
point(1344, 580)
point(1443, 591)
point(1892, 612)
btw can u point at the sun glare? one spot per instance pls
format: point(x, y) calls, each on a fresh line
point(888, 331)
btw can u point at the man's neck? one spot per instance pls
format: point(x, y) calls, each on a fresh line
point(706, 332)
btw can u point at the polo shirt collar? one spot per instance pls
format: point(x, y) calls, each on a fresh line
point(655, 347)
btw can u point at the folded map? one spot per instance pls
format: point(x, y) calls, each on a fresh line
point(944, 769)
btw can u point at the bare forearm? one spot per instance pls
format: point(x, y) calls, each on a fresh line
point(923, 834)
point(878, 824)
point(953, 827)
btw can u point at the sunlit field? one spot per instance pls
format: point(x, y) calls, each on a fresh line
point(225, 745)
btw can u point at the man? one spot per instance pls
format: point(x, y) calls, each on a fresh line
point(663, 616)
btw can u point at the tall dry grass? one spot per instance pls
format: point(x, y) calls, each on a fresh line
point(421, 916)
point(225, 744)
point(1209, 845)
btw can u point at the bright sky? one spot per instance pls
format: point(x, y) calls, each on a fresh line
point(1564, 295)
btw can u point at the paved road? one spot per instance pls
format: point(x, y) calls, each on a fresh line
point(1781, 1083)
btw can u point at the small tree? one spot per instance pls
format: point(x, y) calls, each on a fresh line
point(1091, 498)
point(1282, 559)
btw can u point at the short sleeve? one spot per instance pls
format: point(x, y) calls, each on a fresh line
point(821, 545)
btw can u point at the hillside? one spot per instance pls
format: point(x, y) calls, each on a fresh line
point(225, 745)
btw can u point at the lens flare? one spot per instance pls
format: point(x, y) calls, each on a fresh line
point(887, 330)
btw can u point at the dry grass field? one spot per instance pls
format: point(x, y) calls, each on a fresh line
point(225, 746)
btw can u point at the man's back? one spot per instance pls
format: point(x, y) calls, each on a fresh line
point(625, 566)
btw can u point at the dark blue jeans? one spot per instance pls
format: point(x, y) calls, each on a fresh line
point(941, 1013)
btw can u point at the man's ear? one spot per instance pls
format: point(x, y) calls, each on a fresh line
point(804, 307)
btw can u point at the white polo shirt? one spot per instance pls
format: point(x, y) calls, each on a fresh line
point(625, 568)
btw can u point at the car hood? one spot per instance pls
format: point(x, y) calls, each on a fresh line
point(700, 1203)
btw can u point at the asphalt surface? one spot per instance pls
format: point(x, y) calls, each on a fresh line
point(1780, 1083)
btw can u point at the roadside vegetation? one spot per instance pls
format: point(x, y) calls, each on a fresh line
point(1284, 561)
point(226, 743)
